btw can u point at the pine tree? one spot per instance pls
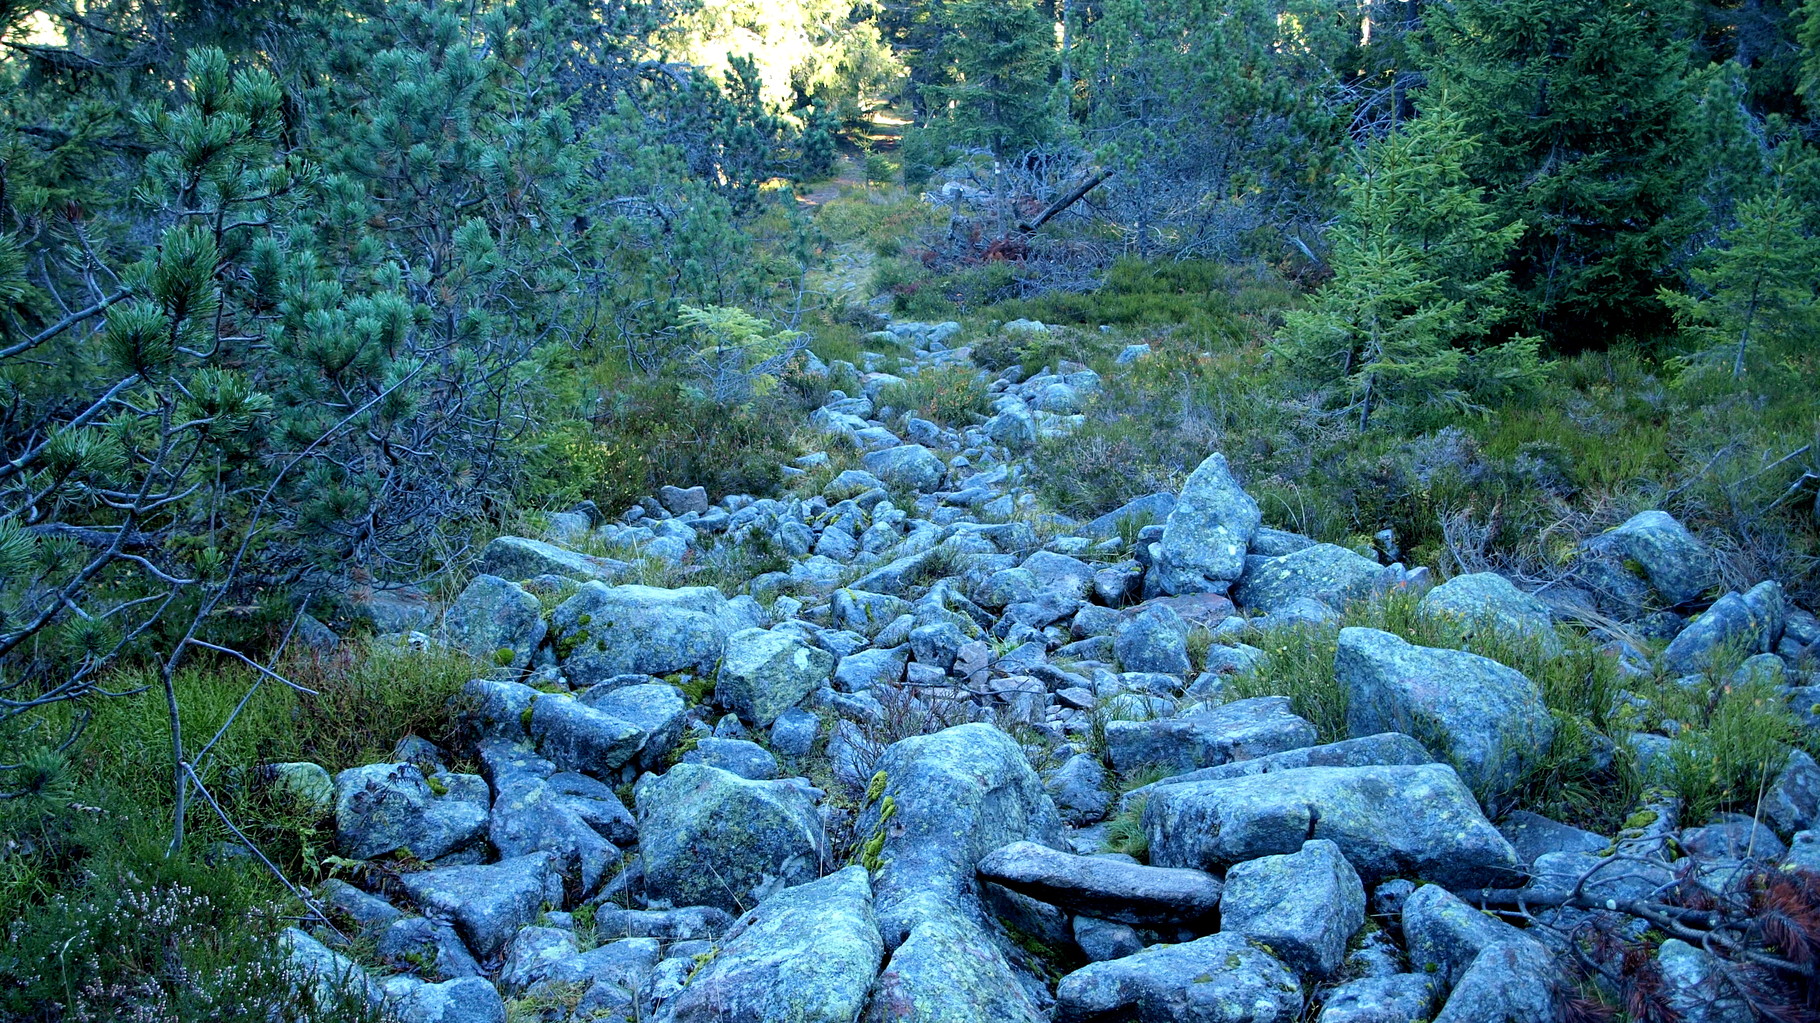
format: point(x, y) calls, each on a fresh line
point(1584, 112)
point(999, 60)
point(1416, 302)
point(1763, 282)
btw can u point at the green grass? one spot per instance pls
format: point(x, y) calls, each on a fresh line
point(951, 396)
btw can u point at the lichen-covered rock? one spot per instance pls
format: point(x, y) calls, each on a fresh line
point(655, 709)
point(948, 970)
point(873, 666)
point(516, 558)
point(1100, 940)
point(765, 673)
point(1110, 889)
point(1305, 906)
point(1330, 574)
point(332, 978)
point(806, 954)
point(1444, 934)
point(530, 817)
point(1388, 821)
point(708, 837)
point(1486, 601)
point(1386, 749)
point(1080, 789)
point(1751, 622)
point(428, 947)
point(488, 903)
point(1222, 978)
point(603, 631)
point(740, 756)
point(1510, 982)
point(1154, 639)
point(574, 735)
point(382, 808)
point(1241, 730)
point(911, 466)
point(1487, 719)
point(1695, 986)
point(462, 1000)
point(1207, 533)
point(1657, 547)
point(1395, 998)
point(1792, 802)
point(496, 621)
point(307, 786)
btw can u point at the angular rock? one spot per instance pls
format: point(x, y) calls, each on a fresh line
point(1487, 601)
point(307, 786)
point(332, 978)
point(383, 808)
point(805, 954)
point(908, 465)
point(747, 759)
point(603, 631)
point(690, 923)
point(1080, 789)
point(1207, 533)
point(866, 613)
point(516, 558)
point(496, 621)
point(1444, 934)
point(1792, 802)
point(1658, 547)
point(1387, 749)
point(1397, 998)
point(1749, 623)
point(708, 837)
point(532, 817)
point(656, 709)
point(1137, 513)
point(578, 737)
point(427, 947)
point(1218, 979)
point(946, 969)
point(765, 673)
point(462, 1000)
point(488, 904)
point(1534, 836)
point(1695, 986)
point(1100, 940)
point(1103, 887)
point(1332, 575)
point(871, 667)
point(1241, 730)
point(1488, 719)
point(1388, 821)
point(1511, 982)
point(1154, 639)
point(1305, 906)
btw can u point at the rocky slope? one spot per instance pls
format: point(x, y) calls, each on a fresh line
point(968, 682)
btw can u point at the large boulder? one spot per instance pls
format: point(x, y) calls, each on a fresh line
point(765, 673)
point(385, 808)
point(1512, 982)
point(1389, 748)
point(487, 903)
point(1207, 533)
point(530, 816)
point(1327, 573)
point(1154, 639)
point(603, 631)
point(1222, 978)
point(462, 1000)
point(708, 837)
point(1388, 821)
point(496, 621)
point(911, 466)
point(517, 558)
point(1444, 934)
point(806, 954)
point(1305, 906)
point(578, 737)
point(1487, 602)
point(1653, 545)
point(1487, 719)
point(947, 969)
point(657, 710)
point(1749, 623)
point(1241, 730)
point(1105, 888)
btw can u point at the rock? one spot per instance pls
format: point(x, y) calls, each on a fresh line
point(690, 923)
point(1533, 836)
point(1106, 888)
point(955, 796)
point(1804, 851)
point(1241, 730)
point(738, 756)
point(765, 673)
point(1014, 427)
point(708, 837)
point(1390, 748)
point(793, 733)
point(427, 947)
point(806, 954)
point(1732, 837)
point(1100, 940)
point(1207, 533)
point(1080, 789)
point(1487, 600)
point(496, 621)
point(393, 608)
point(370, 914)
point(678, 501)
point(1218, 979)
point(305, 785)
point(655, 709)
point(1397, 998)
point(330, 976)
point(489, 903)
point(1274, 543)
point(516, 558)
point(1793, 801)
point(947, 970)
point(531, 817)
point(1332, 575)
point(543, 960)
point(871, 667)
point(1444, 934)
point(1139, 512)
point(578, 737)
point(1388, 822)
point(1655, 545)
point(383, 808)
point(1749, 622)
point(866, 613)
point(1131, 353)
point(1511, 982)
point(603, 631)
point(1154, 639)
point(1305, 906)
point(463, 1000)
point(911, 466)
point(1694, 985)
point(1488, 719)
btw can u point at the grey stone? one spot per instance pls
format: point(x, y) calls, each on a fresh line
point(1444, 934)
point(329, 975)
point(578, 737)
point(656, 709)
point(487, 903)
point(1533, 836)
point(382, 808)
point(1793, 801)
point(1014, 427)
point(1274, 543)
point(908, 465)
point(1749, 623)
point(1396, 998)
point(765, 673)
point(1218, 979)
point(1105, 888)
point(516, 558)
point(946, 969)
point(305, 785)
point(1678, 566)
point(370, 914)
point(1154, 639)
point(871, 667)
point(864, 612)
point(1390, 748)
point(1488, 719)
point(1332, 575)
point(1140, 511)
point(806, 954)
point(1080, 789)
point(1242, 730)
point(496, 709)
point(1101, 940)
point(1510, 982)
point(678, 501)
point(1388, 821)
point(739, 756)
point(1485, 601)
point(793, 733)
point(1804, 851)
point(1207, 533)
point(708, 837)
point(531, 816)
point(620, 630)
point(689, 923)
point(1305, 906)
point(496, 621)
point(1694, 985)
point(462, 1000)
point(1732, 837)
point(427, 947)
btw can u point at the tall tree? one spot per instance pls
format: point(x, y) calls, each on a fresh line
point(1585, 114)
